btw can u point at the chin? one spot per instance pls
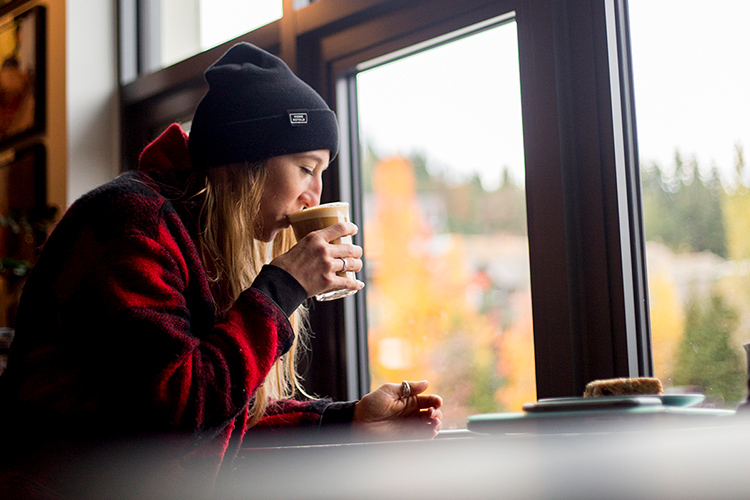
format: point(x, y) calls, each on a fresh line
point(268, 234)
point(267, 237)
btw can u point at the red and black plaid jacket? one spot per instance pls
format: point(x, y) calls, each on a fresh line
point(116, 332)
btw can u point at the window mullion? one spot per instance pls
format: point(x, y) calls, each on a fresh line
point(149, 36)
point(127, 18)
point(619, 40)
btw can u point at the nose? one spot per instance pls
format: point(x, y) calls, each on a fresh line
point(311, 196)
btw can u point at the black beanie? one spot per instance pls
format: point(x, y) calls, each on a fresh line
point(256, 108)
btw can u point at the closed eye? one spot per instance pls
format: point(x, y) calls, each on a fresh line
point(307, 170)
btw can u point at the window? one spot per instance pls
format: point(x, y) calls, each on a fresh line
point(155, 34)
point(581, 195)
point(691, 69)
point(190, 26)
point(444, 228)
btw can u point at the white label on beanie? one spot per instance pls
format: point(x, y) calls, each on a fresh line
point(298, 118)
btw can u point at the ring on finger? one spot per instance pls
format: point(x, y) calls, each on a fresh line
point(346, 266)
point(405, 390)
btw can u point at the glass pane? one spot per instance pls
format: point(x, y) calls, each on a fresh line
point(448, 295)
point(691, 66)
point(192, 26)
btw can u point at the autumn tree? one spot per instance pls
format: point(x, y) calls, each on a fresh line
point(667, 323)
point(737, 210)
point(421, 324)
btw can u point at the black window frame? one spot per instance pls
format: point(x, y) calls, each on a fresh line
point(586, 244)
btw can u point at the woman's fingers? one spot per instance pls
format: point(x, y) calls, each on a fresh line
point(346, 250)
point(430, 422)
point(338, 230)
point(347, 264)
point(316, 263)
point(423, 407)
point(400, 410)
point(431, 414)
point(429, 401)
point(342, 256)
point(416, 388)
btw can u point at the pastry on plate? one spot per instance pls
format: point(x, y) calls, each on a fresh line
point(623, 387)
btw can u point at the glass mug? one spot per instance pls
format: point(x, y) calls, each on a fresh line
point(312, 219)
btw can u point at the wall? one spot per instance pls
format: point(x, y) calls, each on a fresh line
point(82, 131)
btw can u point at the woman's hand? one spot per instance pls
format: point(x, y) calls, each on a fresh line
point(314, 261)
point(386, 414)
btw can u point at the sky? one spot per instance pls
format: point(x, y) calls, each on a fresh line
point(692, 89)
point(691, 70)
point(463, 113)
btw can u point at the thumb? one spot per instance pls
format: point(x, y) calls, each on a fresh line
point(418, 387)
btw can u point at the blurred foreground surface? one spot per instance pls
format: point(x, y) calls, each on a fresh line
point(707, 460)
point(619, 459)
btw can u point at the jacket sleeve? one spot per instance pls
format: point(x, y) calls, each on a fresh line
point(286, 416)
point(288, 294)
point(150, 334)
point(281, 287)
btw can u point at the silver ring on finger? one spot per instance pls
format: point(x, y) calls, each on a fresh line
point(405, 390)
point(346, 266)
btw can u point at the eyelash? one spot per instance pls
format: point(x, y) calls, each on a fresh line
point(308, 171)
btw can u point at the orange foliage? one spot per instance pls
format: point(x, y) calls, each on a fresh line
point(667, 324)
point(423, 323)
point(516, 363)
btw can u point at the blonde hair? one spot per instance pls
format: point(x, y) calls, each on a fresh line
point(229, 206)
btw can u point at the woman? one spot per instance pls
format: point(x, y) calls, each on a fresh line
point(152, 311)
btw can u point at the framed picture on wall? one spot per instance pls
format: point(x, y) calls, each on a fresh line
point(25, 219)
point(22, 75)
point(23, 182)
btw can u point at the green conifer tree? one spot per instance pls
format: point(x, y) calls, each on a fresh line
point(706, 357)
point(684, 211)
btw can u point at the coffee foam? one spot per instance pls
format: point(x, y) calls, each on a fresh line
point(325, 210)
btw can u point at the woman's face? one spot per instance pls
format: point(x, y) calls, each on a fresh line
point(293, 182)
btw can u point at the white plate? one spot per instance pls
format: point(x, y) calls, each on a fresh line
point(612, 402)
